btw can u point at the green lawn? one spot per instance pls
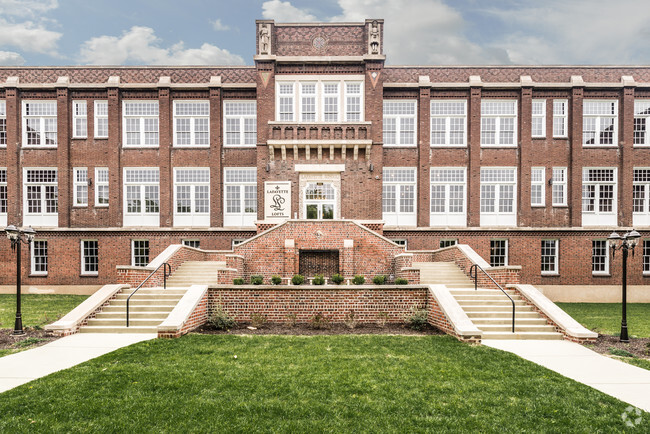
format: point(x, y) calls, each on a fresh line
point(350, 383)
point(37, 309)
point(605, 318)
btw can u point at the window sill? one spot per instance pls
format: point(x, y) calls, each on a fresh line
point(499, 146)
point(239, 146)
point(601, 275)
point(449, 146)
point(141, 147)
point(537, 206)
point(537, 137)
point(80, 206)
point(100, 138)
point(80, 138)
point(89, 275)
point(399, 146)
point(560, 206)
point(550, 274)
point(561, 137)
point(37, 275)
point(38, 147)
point(101, 206)
point(600, 146)
point(191, 146)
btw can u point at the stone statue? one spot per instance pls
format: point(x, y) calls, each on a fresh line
point(265, 40)
point(374, 38)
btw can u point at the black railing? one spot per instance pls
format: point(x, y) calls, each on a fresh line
point(473, 274)
point(165, 274)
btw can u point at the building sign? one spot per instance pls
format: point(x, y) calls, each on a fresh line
point(277, 200)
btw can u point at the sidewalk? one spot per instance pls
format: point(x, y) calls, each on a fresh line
point(23, 367)
point(613, 377)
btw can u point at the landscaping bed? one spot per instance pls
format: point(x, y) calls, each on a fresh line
point(331, 329)
point(32, 338)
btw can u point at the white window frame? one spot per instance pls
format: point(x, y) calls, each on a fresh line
point(84, 263)
point(596, 217)
point(538, 111)
point(100, 118)
point(190, 241)
point(490, 111)
point(133, 255)
point(241, 218)
point(42, 218)
point(400, 119)
point(3, 123)
point(322, 200)
point(100, 181)
point(45, 134)
point(200, 115)
point(80, 187)
point(394, 177)
point(198, 185)
point(498, 218)
point(559, 185)
point(604, 272)
point(142, 218)
point(591, 113)
point(352, 101)
point(506, 248)
point(560, 118)
point(641, 183)
point(4, 203)
point(79, 119)
point(32, 255)
point(641, 123)
point(538, 180)
point(249, 117)
point(142, 124)
point(446, 178)
point(555, 271)
point(451, 113)
point(646, 257)
point(447, 242)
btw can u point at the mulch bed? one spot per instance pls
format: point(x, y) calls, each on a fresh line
point(331, 329)
point(640, 347)
point(31, 339)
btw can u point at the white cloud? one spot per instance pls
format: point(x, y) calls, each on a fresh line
point(8, 58)
point(23, 8)
point(28, 36)
point(140, 45)
point(219, 26)
point(285, 12)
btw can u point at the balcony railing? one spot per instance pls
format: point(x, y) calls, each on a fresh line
point(319, 131)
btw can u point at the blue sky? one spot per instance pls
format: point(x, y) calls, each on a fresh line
point(417, 32)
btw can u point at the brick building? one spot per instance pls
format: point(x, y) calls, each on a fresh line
point(530, 166)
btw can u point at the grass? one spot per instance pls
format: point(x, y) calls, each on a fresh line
point(605, 318)
point(38, 310)
point(348, 383)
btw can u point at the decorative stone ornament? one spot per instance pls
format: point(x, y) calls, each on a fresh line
point(265, 39)
point(373, 39)
point(319, 43)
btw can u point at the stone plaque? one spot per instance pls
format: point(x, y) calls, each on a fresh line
point(277, 200)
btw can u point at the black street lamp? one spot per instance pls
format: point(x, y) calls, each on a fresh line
point(625, 243)
point(17, 237)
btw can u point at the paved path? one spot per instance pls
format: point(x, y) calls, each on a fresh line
point(613, 377)
point(23, 367)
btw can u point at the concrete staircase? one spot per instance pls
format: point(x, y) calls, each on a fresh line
point(443, 273)
point(195, 273)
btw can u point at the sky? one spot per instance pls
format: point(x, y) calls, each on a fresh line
point(417, 32)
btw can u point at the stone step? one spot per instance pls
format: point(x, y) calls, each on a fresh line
point(134, 315)
point(138, 296)
point(486, 297)
point(496, 309)
point(109, 329)
point(456, 292)
point(138, 308)
point(133, 322)
point(533, 321)
point(157, 291)
point(523, 335)
point(518, 327)
point(504, 314)
point(495, 303)
point(146, 302)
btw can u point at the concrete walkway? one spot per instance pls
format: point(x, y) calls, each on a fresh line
point(613, 377)
point(23, 367)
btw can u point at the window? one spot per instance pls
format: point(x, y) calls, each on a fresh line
point(498, 123)
point(498, 199)
point(3, 197)
point(560, 118)
point(192, 197)
point(641, 115)
point(80, 180)
point(240, 119)
point(240, 196)
point(353, 100)
point(559, 190)
point(320, 201)
point(89, 258)
point(549, 257)
point(598, 197)
point(101, 119)
point(39, 258)
point(192, 243)
point(330, 102)
point(398, 196)
point(79, 119)
point(646, 256)
point(399, 122)
point(308, 102)
point(537, 186)
point(448, 185)
point(400, 242)
point(3, 123)
point(599, 257)
point(39, 123)
point(498, 253)
point(141, 197)
point(285, 102)
point(448, 123)
point(101, 186)
point(40, 197)
point(236, 242)
point(641, 197)
point(538, 123)
point(448, 243)
point(599, 123)
point(191, 123)
point(140, 123)
point(140, 253)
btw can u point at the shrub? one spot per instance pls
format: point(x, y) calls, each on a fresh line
point(417, 319)
point(258, 320)
point(620, 352)
point(382, 319)
point(319, 321)
point(292, 319)
point(358, 280)
point(276, 280)
point(297, 279)
point(401, 281)
point(337, 279)
point(257, 280)
point(318, 280)
point(351, 320)
point(238, 281)
point(379, 279)
point(220, 319)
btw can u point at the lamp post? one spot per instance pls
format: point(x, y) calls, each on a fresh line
point(17, 237)
point(626, 243)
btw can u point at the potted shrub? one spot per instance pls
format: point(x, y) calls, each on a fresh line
point(379, 279)
point(401, 281)
point(297, 279)
point(276, 280)
point(358, 280)
point(337, 279)
point(257, 280)
point(238, 281)
point(318, 280)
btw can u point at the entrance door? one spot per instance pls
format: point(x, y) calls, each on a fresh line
point(313, 262)
point(320, 200)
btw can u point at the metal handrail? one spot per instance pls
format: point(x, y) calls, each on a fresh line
point(166, 266)
point(473, 274)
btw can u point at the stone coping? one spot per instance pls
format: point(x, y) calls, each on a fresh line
point(183, 310)
point(306, 287)
point(463, 326)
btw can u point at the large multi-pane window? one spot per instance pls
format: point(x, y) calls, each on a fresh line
point(3, 197)
point(599, 257)
point(320, 201)
point(498, 253)
point(646, 256)
point(641, 118)
point(191, 123)
point(538, 121)
point(3, 123)
point(560, 118)
point(549, 263)
point(140, 253)
point(40, 197)
point(400, 118)
point(39, 123)
point(599, 123)
point(192, 196)
point(353, 102)
point(285, 102)
point(80, 181)
point(240, 120)
point(240, 196)
point(192, 243)
point(599, 196)
point(559, 187)
point(140, 123)
point(79, 119)
point(448, 206)
point(101, 186)
point(537, 186)
point(308, 102)
point(331, 102)
point(39, 258)
point(89, 257)
point(641, 197)
point(448, 123)
point(101, 119)
point(398, 196)
point(141, 196)
point(498, 123)
point(498, 198)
